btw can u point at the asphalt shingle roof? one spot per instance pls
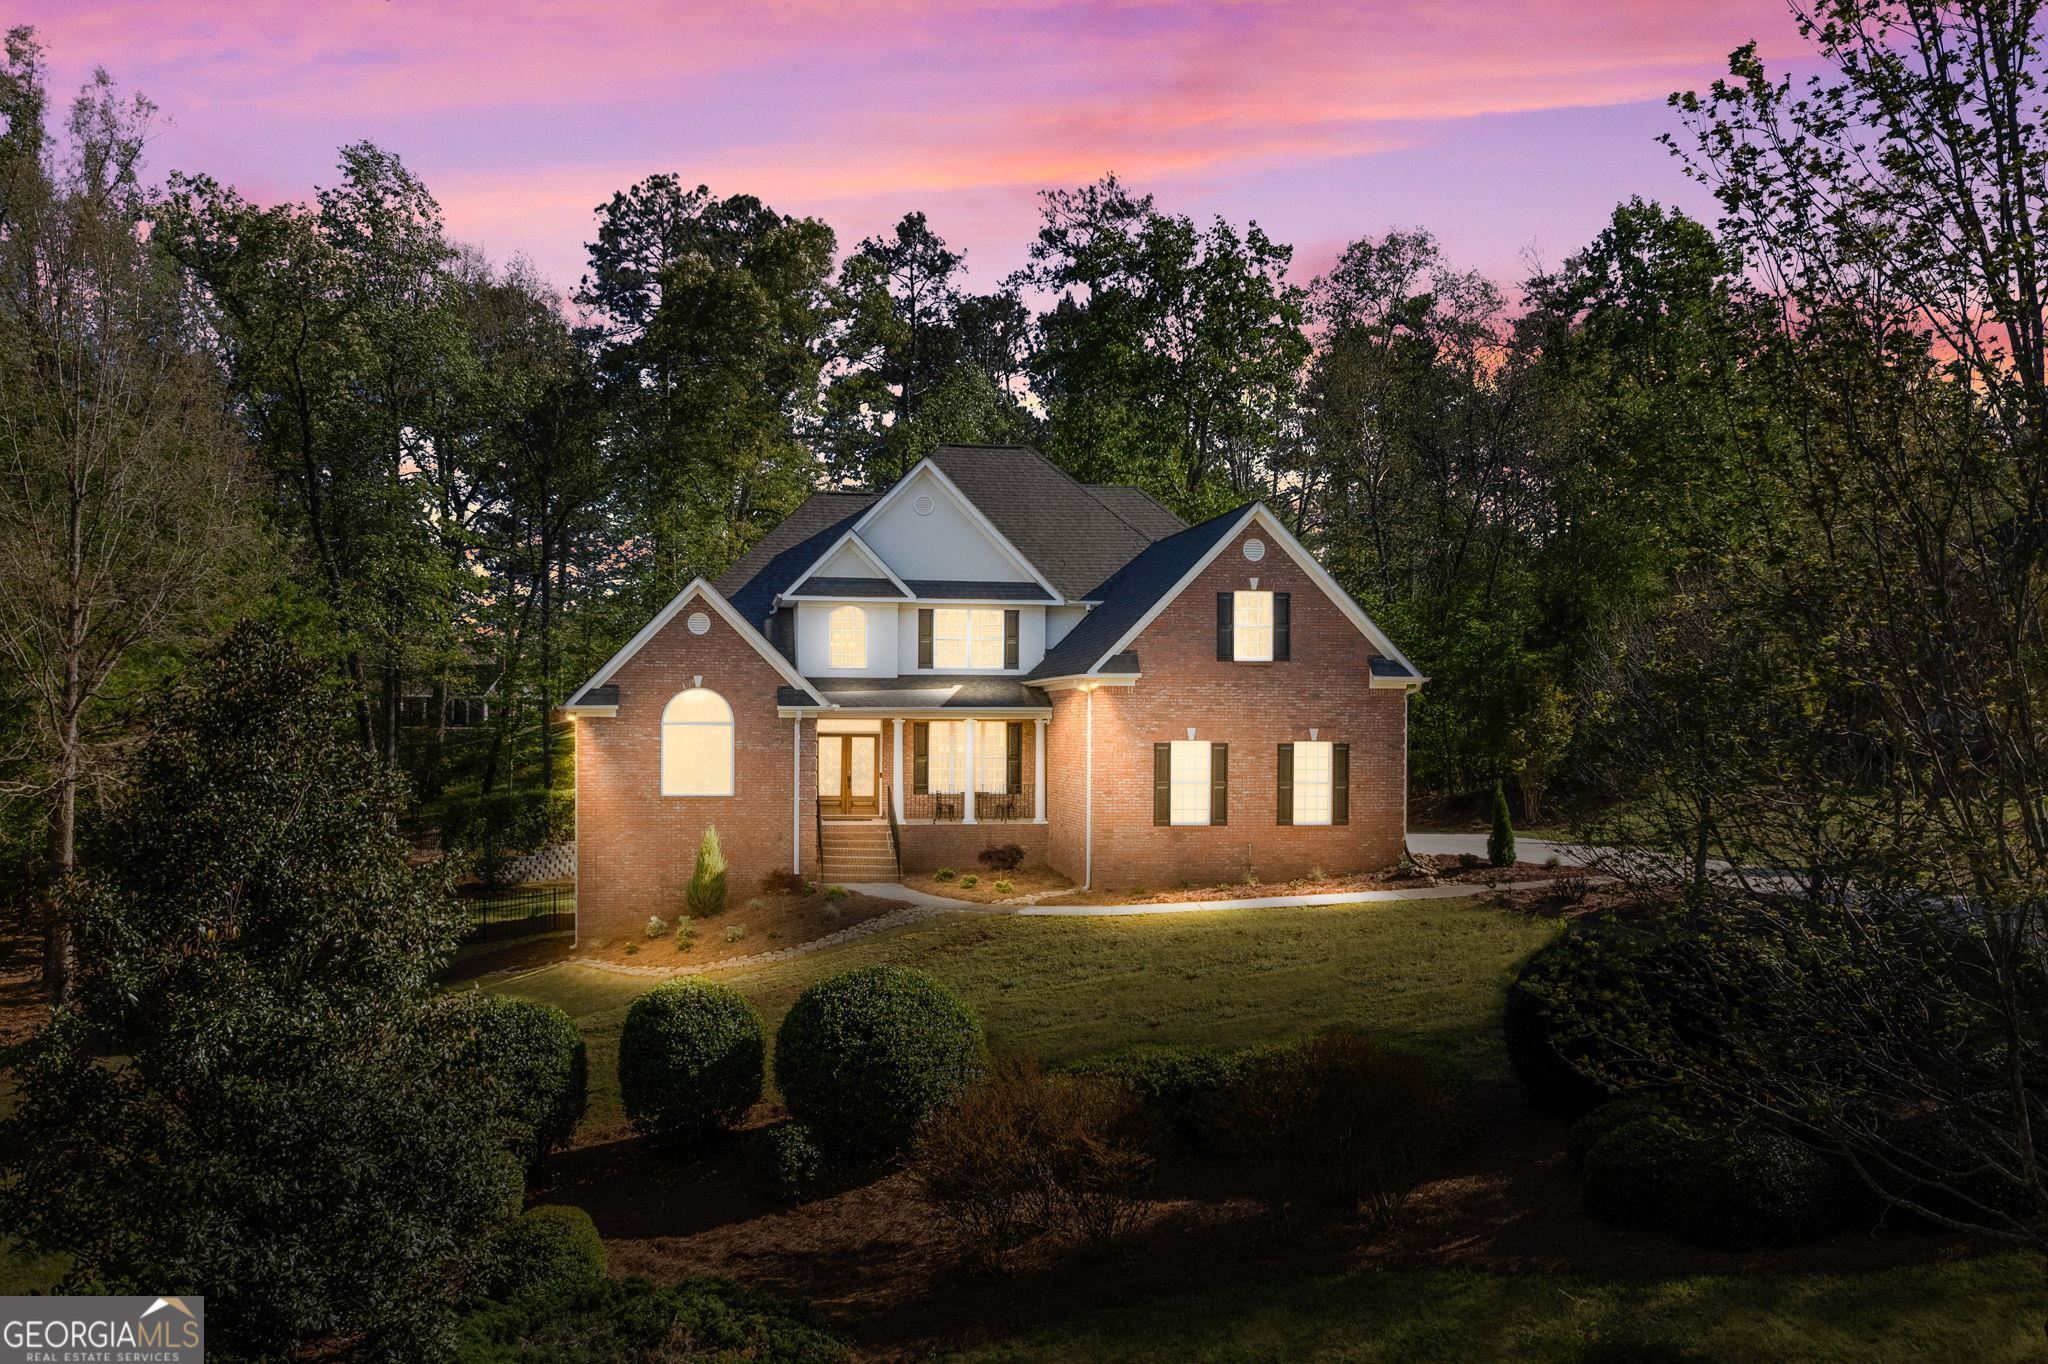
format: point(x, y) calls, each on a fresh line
point(1130, 593)
point(1140, 509)
point(765, 571)
point(943, 589)
point(846, 587)
point(929, 691)
point(1068, 533)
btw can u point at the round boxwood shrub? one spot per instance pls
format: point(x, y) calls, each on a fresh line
point(1633, 1173)
point(690, 1060)
point(538, 1059)
point(1932, 1161)
point(865, 1056)
point(1587, 1131)
point(1753, 1187)
point(544, 1249)
point(1601, 959)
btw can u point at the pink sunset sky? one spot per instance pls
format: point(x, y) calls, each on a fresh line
point(1510, 129)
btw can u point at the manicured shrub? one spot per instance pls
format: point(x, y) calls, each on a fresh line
point(544, 1249)
point(1632, 1174)
point(1753, 1187)
point(1179, 1087)
point(656, 925)
point(1500, 840)
point(690, 1060)
point(1590, 1129)
point(1344, 1122)
point(944, 874)
point(797, 1163)
point(865, 1056)
point(1005, 885)
point(1001, 857)
point(969, 881)
point(706, 895)
point(537, 1057)
point(632, 1319)
point(1600, 961)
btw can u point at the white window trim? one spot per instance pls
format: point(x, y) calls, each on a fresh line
point(1328, 784)
point(1175, 782)
point(832, 619)
point(967, 638)
point(731, 743)
point(1238, 628)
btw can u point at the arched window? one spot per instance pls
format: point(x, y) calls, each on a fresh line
point(847, 627)
point(696, 745)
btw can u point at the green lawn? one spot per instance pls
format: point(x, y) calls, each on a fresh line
point(1062, 988)
point(1980, 1310)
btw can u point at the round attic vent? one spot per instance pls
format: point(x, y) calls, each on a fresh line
point(1255, 550)
point(699, 623)
point(924, 505)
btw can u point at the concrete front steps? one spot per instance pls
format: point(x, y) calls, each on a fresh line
point(856, 850)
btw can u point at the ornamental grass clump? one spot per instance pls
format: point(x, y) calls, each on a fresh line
point(707, 883)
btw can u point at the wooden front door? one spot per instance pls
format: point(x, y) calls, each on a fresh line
point(846, 774)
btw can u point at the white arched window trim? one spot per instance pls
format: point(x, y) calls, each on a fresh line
point(696, 744)
point(846, 635)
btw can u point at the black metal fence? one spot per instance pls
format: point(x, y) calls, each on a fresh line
point(519, 912)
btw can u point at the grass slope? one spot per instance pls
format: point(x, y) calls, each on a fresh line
point(1061, 988)
point(1987, 1311)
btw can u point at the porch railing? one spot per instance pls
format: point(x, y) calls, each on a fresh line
point(949, 807)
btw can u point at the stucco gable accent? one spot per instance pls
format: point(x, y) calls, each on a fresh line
point(698, 589)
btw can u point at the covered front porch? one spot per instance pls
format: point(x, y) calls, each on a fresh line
point(911, 770)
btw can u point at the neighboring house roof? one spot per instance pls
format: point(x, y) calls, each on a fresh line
point(924, 691)
point(845, 587)
point(1071, 535)
point(1138, 507)
point(788, 551)
point(1132, 591)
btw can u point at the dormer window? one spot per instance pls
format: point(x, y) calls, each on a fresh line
point(966, 639)
point(847, 631)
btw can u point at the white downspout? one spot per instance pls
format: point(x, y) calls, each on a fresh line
point(796, 795)
point(1088, 796)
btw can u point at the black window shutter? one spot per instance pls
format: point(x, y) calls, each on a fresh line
point(920, 757)
point(1010, 638)
point(924, 637)
point(1219, 783)
point(1162, 783)
point(1286, 815)
point(1280, 630)
point(1340, 783)
point(1226, 648)
point(1013, 775)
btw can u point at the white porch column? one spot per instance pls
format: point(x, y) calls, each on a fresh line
point(967, 805)
point(896, 770)
point(1038, 781)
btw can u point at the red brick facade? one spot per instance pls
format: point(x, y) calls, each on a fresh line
point(1253, 707)
point(636, 847)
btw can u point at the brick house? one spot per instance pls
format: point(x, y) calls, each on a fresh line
point(990, 652)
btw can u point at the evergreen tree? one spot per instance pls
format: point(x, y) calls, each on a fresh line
point(1500, 841)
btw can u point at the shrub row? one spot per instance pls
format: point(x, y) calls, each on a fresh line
point(534, 1056)
point(862, 1058)
point(508, 821)
point(1729, 1189)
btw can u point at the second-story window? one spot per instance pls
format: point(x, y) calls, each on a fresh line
point(1252, 627)
point(847, 628)
point(967, 638)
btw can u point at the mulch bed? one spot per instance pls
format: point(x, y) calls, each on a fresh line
point(1032, 881)
point(877, 1264)
point(1434, 869)
point(767, 923)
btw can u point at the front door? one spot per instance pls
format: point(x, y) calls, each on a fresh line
point(846, 774)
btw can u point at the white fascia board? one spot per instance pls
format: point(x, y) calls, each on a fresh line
point(711, 596)
point(1068, 683)
point(974, 514)
point(860, 547)
point(1296, 551)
